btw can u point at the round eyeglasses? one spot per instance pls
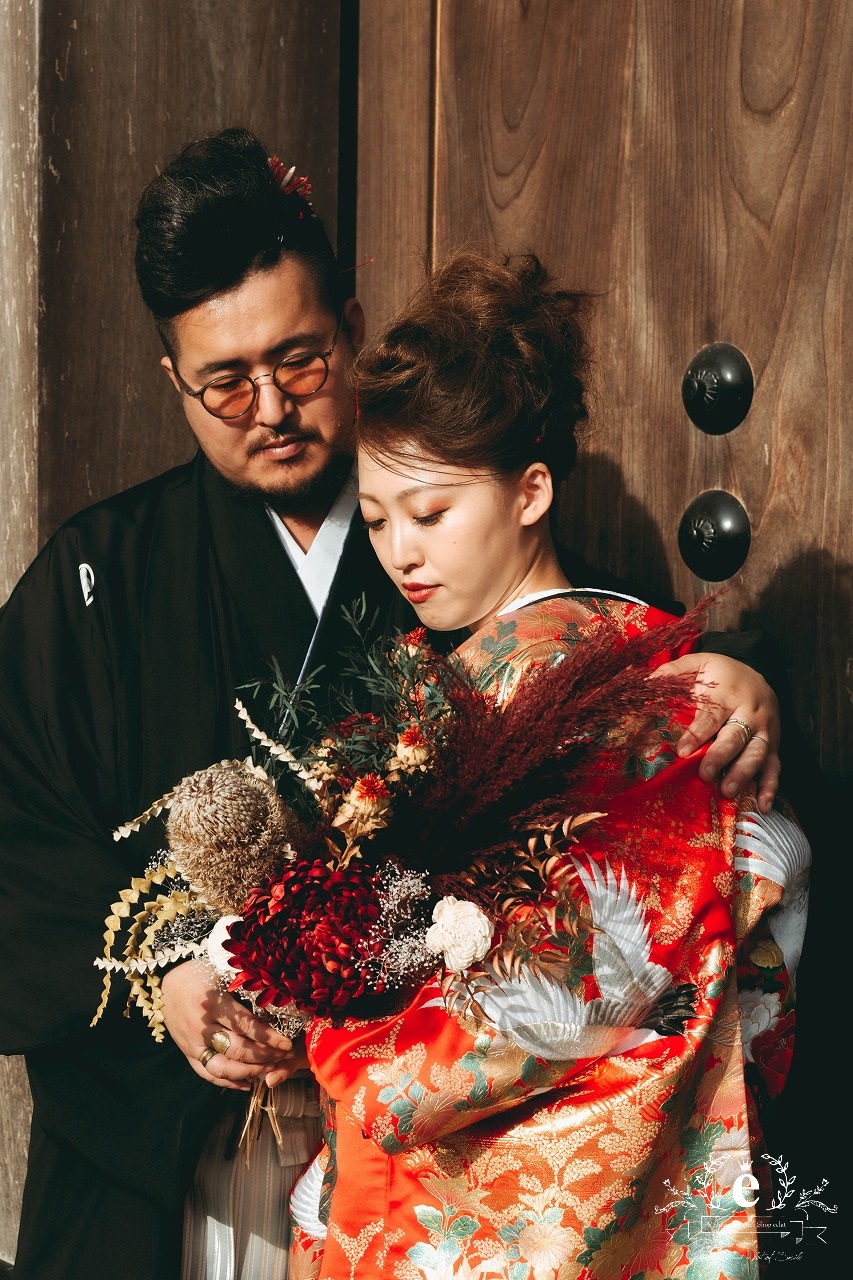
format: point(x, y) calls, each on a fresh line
point(233, 394)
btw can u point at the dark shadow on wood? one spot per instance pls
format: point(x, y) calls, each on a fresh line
point(807, 608)
point(611, 529)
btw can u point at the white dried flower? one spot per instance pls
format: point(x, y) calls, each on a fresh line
point(461, 932)
point(216, 953)
point(323, 768)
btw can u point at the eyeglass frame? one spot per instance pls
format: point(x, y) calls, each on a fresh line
point(325, 356)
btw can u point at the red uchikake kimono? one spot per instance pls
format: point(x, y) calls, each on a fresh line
point(452, 1151)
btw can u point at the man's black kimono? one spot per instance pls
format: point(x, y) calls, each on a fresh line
point(120, 653)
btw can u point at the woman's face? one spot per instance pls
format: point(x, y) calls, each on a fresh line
point(459, 544)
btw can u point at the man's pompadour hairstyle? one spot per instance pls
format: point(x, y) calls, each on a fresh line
point(214, 215)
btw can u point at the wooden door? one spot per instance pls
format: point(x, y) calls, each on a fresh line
point(691, 162)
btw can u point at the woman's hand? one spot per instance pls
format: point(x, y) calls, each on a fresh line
point(194, 1010)
point(735, 695)
point(296, 1064)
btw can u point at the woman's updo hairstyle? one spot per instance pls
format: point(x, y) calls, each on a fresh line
point(483, 368)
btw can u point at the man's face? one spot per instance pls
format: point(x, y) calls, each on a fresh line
point(282, 449)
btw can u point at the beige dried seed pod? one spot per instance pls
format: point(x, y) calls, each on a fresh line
point(229, 830)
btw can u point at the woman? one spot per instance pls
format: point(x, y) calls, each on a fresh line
point(581, 1107)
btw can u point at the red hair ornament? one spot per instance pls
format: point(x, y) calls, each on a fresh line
point(289, 181)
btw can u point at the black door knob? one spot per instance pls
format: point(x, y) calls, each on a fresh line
point(714, 535)
point(717, 388)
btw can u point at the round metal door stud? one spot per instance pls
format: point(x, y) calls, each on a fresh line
point(717, 388)
point(714, 535)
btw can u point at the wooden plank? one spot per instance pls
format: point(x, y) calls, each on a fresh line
point(394, 151)
point(533, 153)
point(751, 244)
point(123, 87)
point(15, 1110)
point(531, 99)
point(19, 182)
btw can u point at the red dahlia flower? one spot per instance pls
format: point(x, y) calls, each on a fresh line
point(305, 936)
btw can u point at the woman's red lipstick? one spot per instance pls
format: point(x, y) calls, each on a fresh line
point(418, 592)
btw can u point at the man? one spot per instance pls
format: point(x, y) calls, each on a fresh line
point(120, 654)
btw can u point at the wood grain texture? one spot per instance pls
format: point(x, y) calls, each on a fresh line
point(395, 150)
point(123, 86)
point(691, 164)
point(15, 1111)
point(759, 256)
point(19, 184)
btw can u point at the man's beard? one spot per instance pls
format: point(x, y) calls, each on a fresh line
point(312, 493)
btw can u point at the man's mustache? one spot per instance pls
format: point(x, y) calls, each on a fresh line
point(284, 436)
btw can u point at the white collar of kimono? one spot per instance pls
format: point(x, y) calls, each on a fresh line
point(521, 601)
point(316, 567)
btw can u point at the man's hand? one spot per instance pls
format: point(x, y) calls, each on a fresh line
point(194, 1010)
point(737, 694)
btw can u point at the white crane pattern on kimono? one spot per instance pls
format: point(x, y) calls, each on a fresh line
point(552, 1021)
point(777, 849)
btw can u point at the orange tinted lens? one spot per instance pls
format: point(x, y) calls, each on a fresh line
point(301, 377)
point(228, 397)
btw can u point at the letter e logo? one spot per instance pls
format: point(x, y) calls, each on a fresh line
point(740, 1192)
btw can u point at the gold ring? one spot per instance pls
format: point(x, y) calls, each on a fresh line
point(206, 1056)
point(757, 737)
point(744, 728)
point(220, 1042)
